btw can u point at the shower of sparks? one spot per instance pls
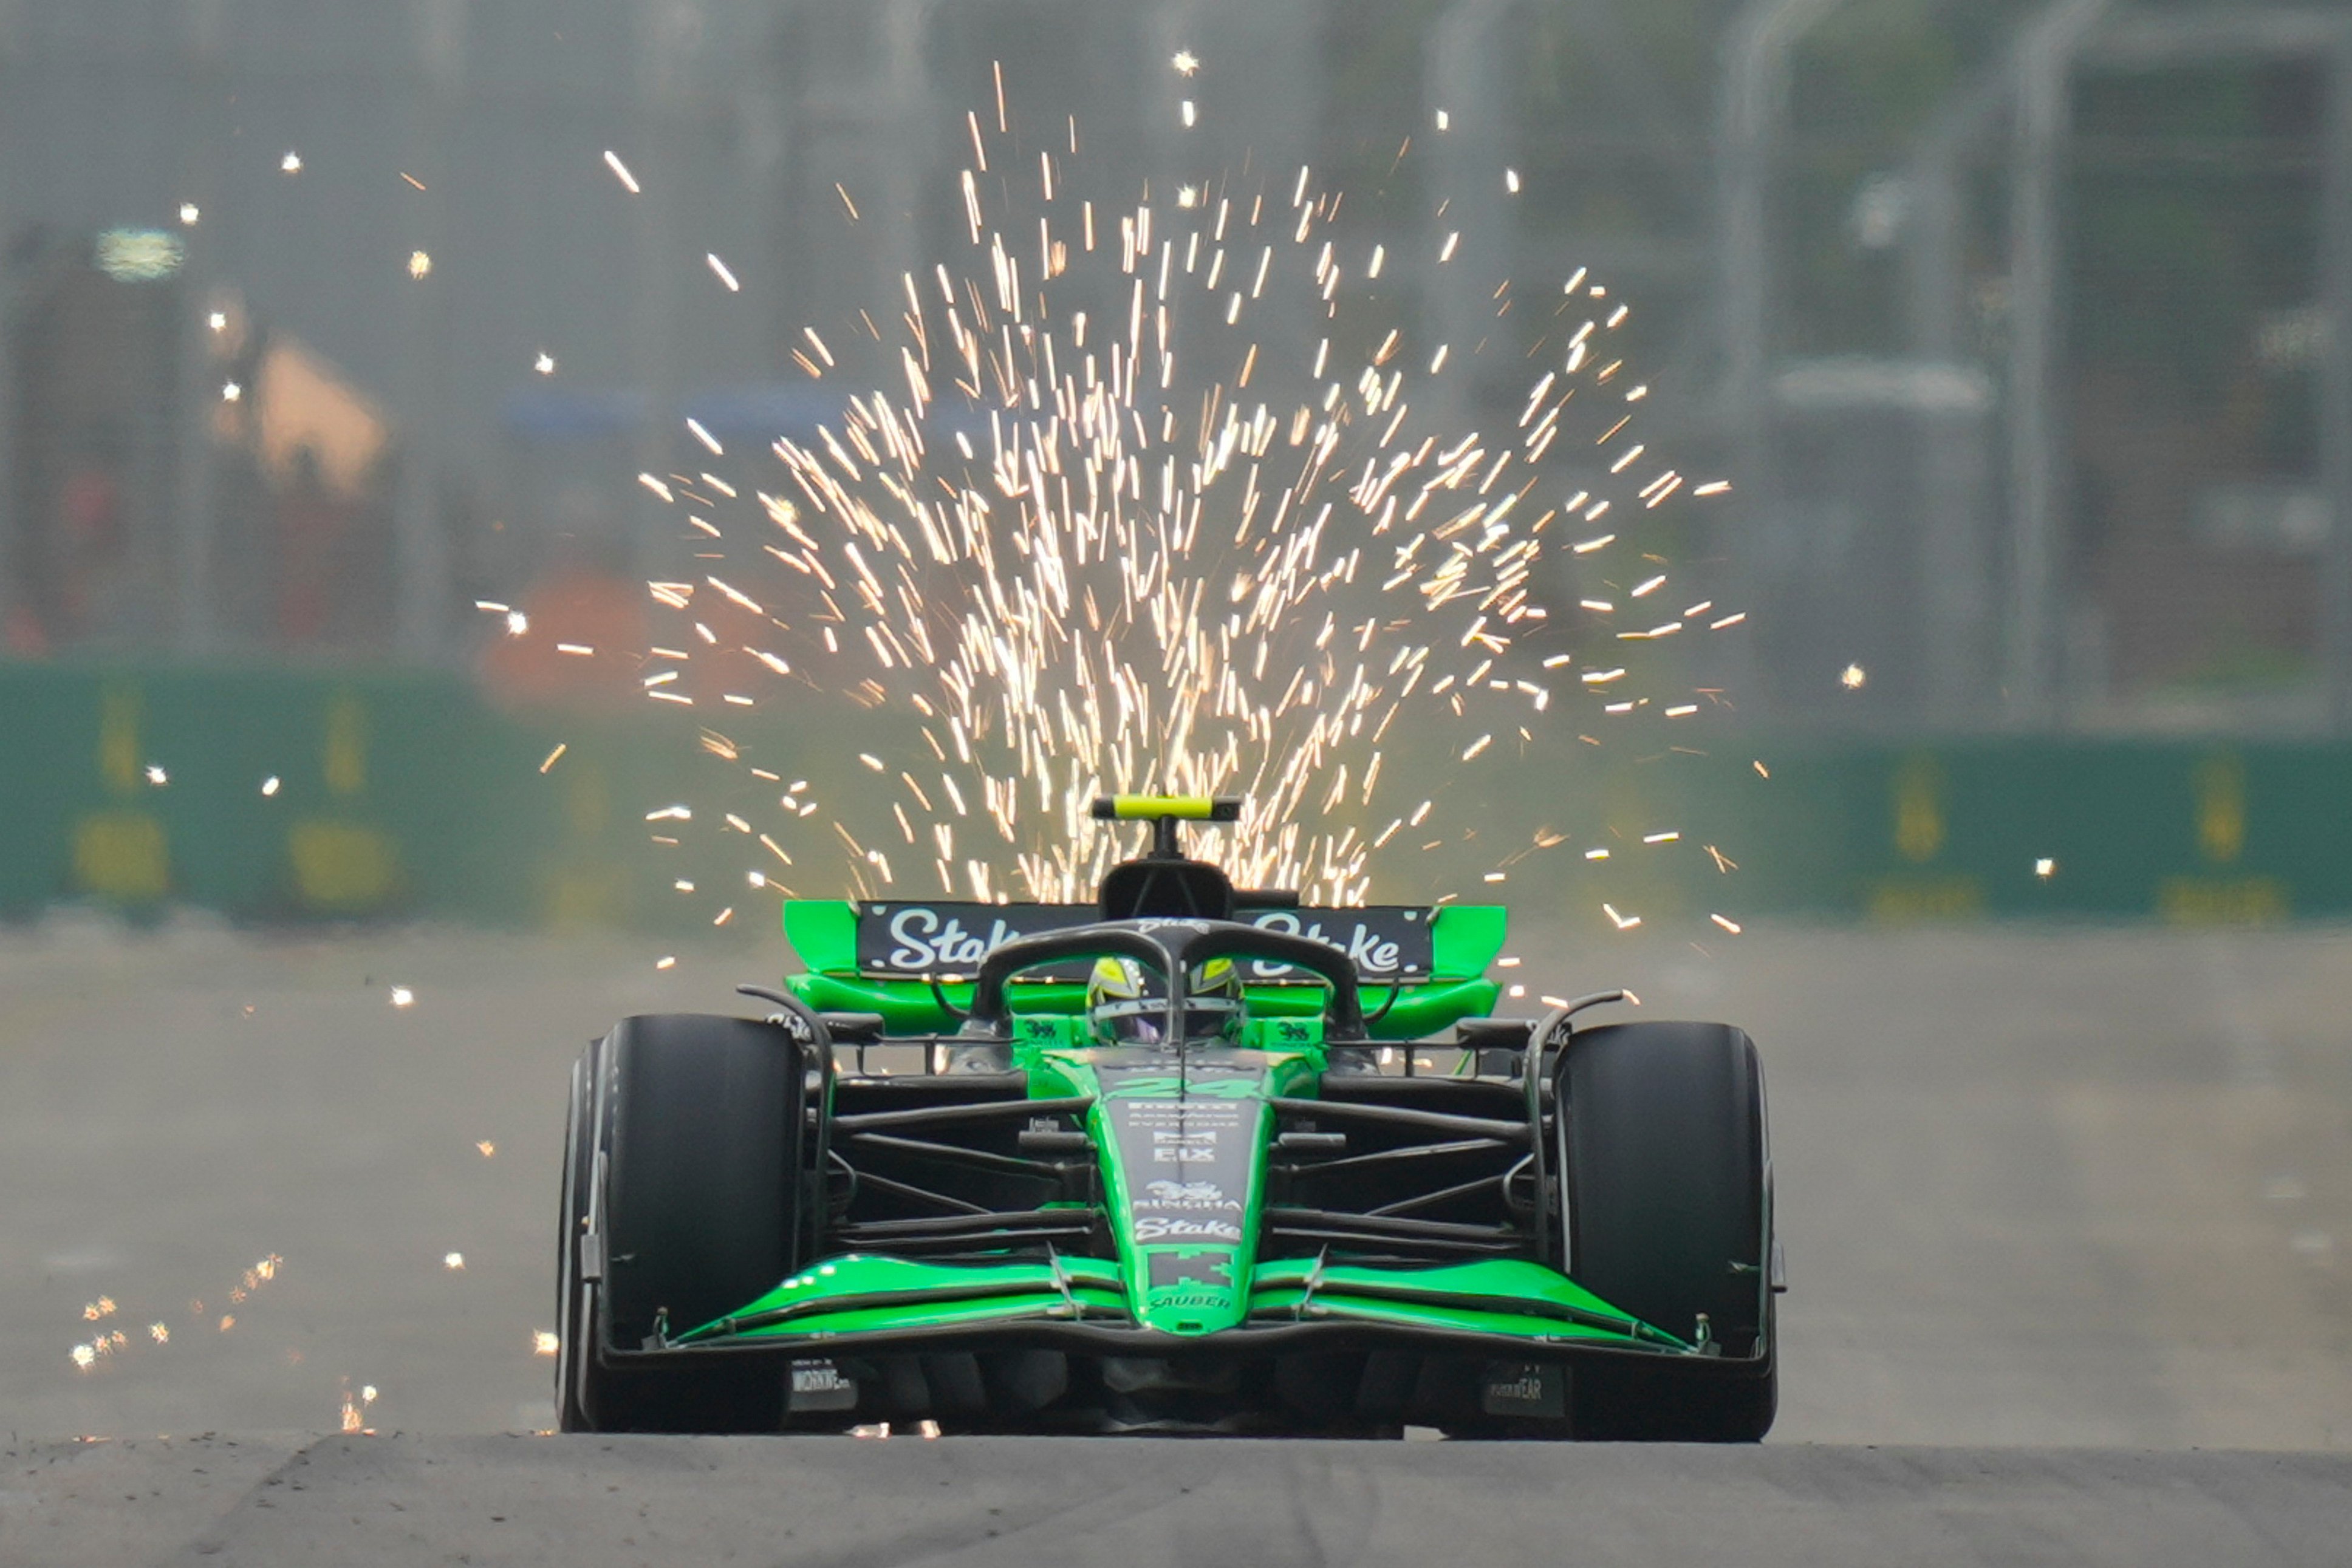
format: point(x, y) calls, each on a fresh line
point(402, 997)
point(111, 1345)
point(485, 1148)
point(719, 268)
point(2045, 868)
point(354, 1414)
point(1186, 62)
point(555, 756)
point(1075, 565)
point(231, 392)
point(621, 171)
point(544, 364)
point(269, 786)
point(189, 214)
point(156, 777)
point(544, 1342)
point(291, 165)
point(1853, 677)
point(455, 1262)
point(419, 264)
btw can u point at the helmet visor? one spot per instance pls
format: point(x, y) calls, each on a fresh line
point(1144, 1021)
point(1141, 1021)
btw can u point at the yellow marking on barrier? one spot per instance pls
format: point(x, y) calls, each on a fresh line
point(1911, 900)
point(1919, 809)
point(122, 856)
point(341, 865)
point(118, 712)
point(2221, 784)
point(587, 897)
point(344, 758)
point(2223, 900)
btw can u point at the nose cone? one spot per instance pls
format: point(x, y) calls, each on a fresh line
point(1184, 1157)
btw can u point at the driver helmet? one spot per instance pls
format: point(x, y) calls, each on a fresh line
point(1127, 1003)
point(1212, 1002)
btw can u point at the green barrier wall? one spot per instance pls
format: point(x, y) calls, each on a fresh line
point(395, 796)
point(2181, 833)
point(403, 795)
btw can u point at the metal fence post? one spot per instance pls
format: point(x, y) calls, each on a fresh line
point(195, 489)
point(1467, 158)
point(421, 583)
point(2044, 64)
point(1956, 576)
point(1753, 100)
point(12, 200)
point(2335, 389)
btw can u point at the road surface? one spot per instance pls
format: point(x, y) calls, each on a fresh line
point(2042, 1189)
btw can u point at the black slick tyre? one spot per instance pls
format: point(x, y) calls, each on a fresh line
point(1667, 1178)
point(681, 1179)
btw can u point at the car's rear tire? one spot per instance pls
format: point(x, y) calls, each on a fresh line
point(1667, 1180)
point(695, 1122)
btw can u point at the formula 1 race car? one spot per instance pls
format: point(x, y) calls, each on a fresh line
point(1171, 1162)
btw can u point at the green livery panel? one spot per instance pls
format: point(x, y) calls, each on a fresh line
point(1179, 1143)
point(1181, 1139)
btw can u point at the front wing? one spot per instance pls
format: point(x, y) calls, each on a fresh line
point(854, 1299)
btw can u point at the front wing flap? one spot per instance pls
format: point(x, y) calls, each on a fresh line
point(1506, 1300)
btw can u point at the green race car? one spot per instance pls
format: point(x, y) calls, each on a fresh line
point(1193, 1159)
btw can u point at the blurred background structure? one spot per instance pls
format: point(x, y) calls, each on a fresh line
point(2023, 327)
point(2016, 320)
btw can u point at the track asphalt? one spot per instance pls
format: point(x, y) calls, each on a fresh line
point(2067, 1214)
point(355, 1503)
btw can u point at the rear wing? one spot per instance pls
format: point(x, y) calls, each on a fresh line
point(1421, 969)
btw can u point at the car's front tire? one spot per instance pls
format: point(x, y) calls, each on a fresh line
point(1667, 1183)
point(682, 1164)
